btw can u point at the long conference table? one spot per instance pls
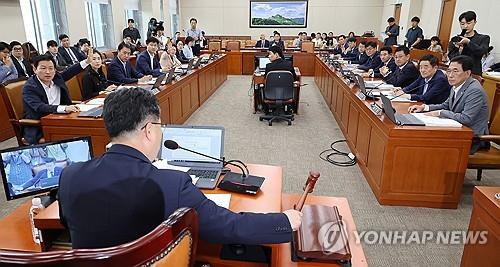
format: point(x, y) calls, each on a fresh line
point(404, 165)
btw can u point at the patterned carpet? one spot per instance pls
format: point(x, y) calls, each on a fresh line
point(296, 149)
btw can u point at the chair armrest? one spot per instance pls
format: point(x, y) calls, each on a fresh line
point(74, 102)
point(489, 137)
point(29, 122)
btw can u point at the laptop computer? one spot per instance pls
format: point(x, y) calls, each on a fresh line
point(397, 118)
point(362, 87)
point(156, 85)
point(170, 76)
point(204, 139)
point(92, 113)
point(184, 68)
point(197, 64)
point(263, 61)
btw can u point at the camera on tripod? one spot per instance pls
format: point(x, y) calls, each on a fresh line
point(153, 26)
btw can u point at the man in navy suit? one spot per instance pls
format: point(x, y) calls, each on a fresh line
point(373, 60)
point(147, 61)
point(121, 196)
point(23, 66)
point(68, 52)
point(387, 64)
point(351, 52)
point(46, 92)
point(121, 71)
point(431, 87)
point(405, 73)
point(262, 43)
point(361, 57)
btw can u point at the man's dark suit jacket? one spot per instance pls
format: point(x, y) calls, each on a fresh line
point(143, 64)
point(67, 57)
point(259, 44)
point(118, 74)
point(360, 59)
point(476, 48)
point(36, 103)
point(281, 64)
point(438, 89)
point(371, 63)
point(20, 70)
point(403, 77)
point(351, 55)
point(391, 65)
point(120, 196)
point(280, 43)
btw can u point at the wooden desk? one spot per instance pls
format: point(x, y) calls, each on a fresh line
point(404, 165)
point(15, 230)
point(177, 100)
point(259, 79)
point(485, 217)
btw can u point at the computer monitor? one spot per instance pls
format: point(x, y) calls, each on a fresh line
point(263, 62)
point(32, 170)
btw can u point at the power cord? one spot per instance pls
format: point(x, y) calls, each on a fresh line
point(327, 155)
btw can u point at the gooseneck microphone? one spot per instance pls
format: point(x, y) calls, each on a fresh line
point(172, 145)
point(409, 91)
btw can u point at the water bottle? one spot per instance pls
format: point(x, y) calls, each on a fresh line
point(36, 207)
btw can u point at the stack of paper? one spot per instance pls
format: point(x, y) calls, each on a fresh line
point(163, 165)
point(96, 101)
point(86, 107)
point(436, 121)
point(222, 200)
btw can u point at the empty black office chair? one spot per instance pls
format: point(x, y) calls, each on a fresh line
point(278, 96)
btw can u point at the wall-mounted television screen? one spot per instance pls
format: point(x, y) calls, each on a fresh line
point(277, 13)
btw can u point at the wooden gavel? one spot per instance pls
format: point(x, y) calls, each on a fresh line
point(308, 188)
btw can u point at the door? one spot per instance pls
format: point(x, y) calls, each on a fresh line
point(444, 32)
point(397, 13)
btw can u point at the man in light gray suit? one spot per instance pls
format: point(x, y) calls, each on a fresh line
point(467, 102)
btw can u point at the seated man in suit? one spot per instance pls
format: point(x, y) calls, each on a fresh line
point(373, 60)
point(126, 171)
point(405, 73)
point(129, 41)
point(52, 50)
point(340, 48)
point(351, 52)
point(46, 92)
point(23, 66)
point(262, 42)
point(121, 71)
point(431, 87)
point(388, 64)
point(8, 70)
point(277, 41)
point(467, 102)
point(278, 62)
point(361, 57)
point(68, 52)
point(147, 61)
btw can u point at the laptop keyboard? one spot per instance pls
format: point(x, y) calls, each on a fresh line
point(408, 119)
point(204, 174)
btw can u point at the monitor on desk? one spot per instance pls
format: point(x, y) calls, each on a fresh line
point(32, 170)
point(263, 61)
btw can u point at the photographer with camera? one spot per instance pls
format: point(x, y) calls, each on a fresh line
point(153, 27)
point(469, 42)
point(132, 32)
point(195, 33)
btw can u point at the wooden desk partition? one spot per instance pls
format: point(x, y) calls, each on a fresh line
point(178, 101)
point(404, 165)
point(485, 217)
point(6, 130)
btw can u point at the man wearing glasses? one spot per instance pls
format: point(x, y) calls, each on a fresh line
point(467, 102)
point(23, 66)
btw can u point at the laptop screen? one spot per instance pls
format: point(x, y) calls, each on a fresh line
point(32, 170)
point(203, 139)
point(263, 62)
point(388, 110)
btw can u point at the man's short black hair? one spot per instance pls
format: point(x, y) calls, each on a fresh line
point(363, 43)
point(123, 45)
point(391, 19)
point(177, 32)
point(160, 28)
point(62, 36)
point(468, 16)
point(4, 45)
point(84, 41)
point(431, 58)
point(44, 57)
point(466, 62)
point(117, 106)
point(195, 20)
point(403, 48)
point(277, 33)
point(416, 19)
point(188, 39)
point(127, 35)
point(351, 39)
point(130, 21)
point(14, 43)
point(388, 49)
point(435, 38)
point(371, 44)
point(343, 36)
point(51, 43)
point(277, 50)
point(152, 39)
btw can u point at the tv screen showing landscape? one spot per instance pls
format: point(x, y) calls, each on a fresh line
point(272, 14)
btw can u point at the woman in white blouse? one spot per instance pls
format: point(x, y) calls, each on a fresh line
point(169, 60)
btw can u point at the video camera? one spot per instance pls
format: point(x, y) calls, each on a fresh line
point(153, 26)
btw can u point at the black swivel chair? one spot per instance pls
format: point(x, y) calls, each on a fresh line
point(278, 96)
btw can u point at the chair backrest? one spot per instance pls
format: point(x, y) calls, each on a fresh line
point(495, 113)
point(279, 85)
point(250, 43)
point(29, 51)
point(12, 94)
point(172, 243)
point(417, 54)
point(214, 46)
point(233, 46)
point(74, 87)
point(307, 47)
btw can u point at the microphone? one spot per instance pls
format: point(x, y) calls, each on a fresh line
point(412, 90)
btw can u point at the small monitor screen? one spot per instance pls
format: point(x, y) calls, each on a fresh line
point(263, 62)
point(36, 169)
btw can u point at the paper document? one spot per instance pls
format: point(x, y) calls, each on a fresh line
point(163, 165)
point(493, 73)
point(96, 101)
point(436, 121)
point(194, 179)
point(222, 200)
point(152, 81)
point(86, 107)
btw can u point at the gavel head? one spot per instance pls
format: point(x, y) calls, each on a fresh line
point(311, 180)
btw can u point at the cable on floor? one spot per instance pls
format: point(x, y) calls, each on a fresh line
point(328, 154)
